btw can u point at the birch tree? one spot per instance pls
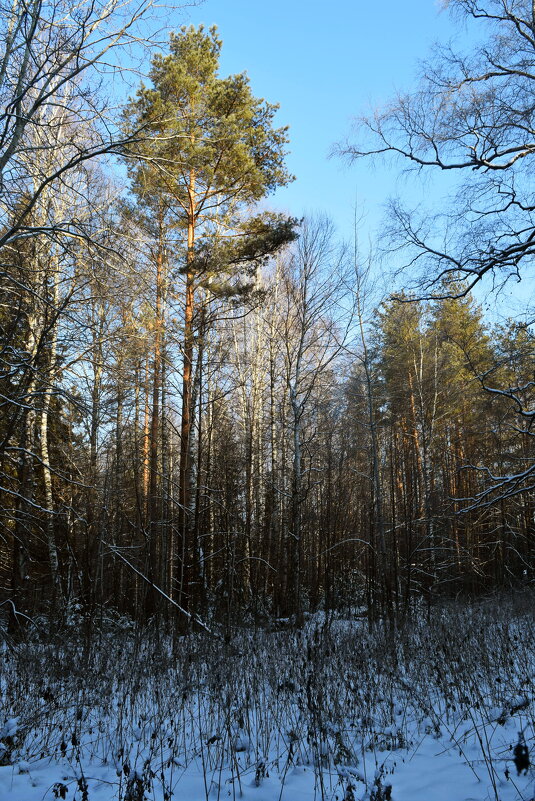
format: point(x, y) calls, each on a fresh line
point(314, 326)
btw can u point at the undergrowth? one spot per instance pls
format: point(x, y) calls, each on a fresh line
point(334, 698)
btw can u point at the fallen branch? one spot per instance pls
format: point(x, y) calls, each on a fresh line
point(115, 551)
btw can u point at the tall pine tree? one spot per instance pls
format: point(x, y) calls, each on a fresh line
point(207, 151)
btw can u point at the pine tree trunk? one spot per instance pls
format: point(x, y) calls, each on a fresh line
point(185, 468)
point(154, 522)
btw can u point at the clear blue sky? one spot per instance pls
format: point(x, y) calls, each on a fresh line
point(325, 64)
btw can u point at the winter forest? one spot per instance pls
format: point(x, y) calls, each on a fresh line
point(266, 528)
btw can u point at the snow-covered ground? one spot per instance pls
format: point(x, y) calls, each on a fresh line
point(441, 712)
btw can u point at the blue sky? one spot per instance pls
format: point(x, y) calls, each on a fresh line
point(326, 64)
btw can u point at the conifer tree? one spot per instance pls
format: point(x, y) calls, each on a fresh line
point(210, 152)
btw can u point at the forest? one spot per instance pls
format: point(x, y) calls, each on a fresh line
point(221, 443)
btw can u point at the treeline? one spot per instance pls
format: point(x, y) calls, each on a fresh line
point(203, 416)
point(326, 468)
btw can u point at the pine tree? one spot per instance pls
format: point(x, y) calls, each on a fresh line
point(207, 153)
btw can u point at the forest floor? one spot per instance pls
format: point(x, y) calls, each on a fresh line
point(441, 711)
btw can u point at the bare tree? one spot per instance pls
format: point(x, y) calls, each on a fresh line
point(315, 322)
point(51, 63)
point(472, 114)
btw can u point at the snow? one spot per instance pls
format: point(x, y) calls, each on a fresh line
point(9, 729)
point(333, 715)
